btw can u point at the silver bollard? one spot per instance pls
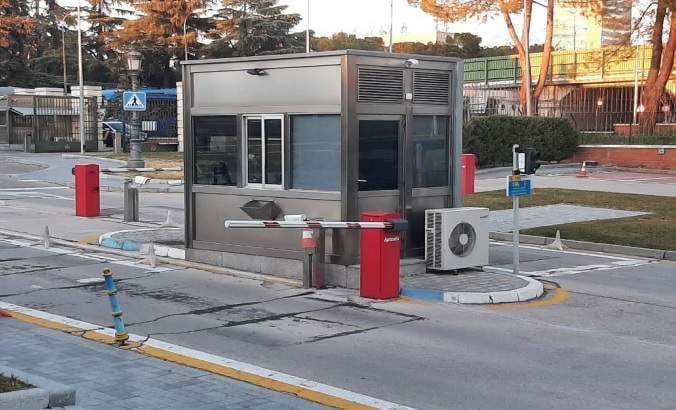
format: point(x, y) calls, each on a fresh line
point(130, 202)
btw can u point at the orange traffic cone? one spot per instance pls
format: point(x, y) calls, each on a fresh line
point(583, 173)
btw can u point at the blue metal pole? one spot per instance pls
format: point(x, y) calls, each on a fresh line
point(121, 334)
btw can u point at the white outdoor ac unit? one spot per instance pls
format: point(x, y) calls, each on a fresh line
point(456, 238)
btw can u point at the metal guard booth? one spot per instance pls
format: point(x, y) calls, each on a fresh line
point(328, 135)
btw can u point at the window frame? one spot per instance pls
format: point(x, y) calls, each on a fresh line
point(245, 149)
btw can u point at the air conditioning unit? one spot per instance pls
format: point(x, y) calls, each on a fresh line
point(456, 238)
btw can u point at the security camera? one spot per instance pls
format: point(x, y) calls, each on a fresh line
point(411, 62)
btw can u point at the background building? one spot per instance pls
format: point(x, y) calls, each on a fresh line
point(592, 26)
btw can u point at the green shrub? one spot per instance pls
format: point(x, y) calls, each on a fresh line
point(491, 138)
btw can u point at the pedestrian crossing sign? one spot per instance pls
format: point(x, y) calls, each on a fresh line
point(134, 101)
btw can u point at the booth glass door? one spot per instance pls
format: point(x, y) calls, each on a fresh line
point(379, 141)
point(380, 163)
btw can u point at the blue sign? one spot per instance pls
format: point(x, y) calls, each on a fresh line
point(134, 101)
point(519, 185)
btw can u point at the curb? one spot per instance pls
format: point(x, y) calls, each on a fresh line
point(658, 254)
point(177, 189)
point(117, 161)
point(533, 290)
point(125, 169)
point(248, 373)
point(47, 393)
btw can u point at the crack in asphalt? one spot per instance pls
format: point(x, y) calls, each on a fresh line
point(316, 339)
point(216, 309)
point(245, 322)
point(84, 285)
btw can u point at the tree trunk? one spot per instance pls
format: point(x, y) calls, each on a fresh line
point(521, 51)
point(527, 79)
point(651, 94)
point(546, 56)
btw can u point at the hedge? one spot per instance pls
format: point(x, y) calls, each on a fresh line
point(491, 138)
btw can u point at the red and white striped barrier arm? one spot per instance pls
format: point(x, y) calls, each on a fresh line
point(309, 224)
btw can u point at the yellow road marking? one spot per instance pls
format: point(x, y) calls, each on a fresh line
point(556, 296)
point(89, 240)
point(267, 383)
point(255, 379)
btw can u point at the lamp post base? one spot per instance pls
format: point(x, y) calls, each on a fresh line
point(136, 163)
point(135, 155)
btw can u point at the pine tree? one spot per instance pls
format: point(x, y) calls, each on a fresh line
point(252, 27)
point(16, 41)
point(159, 34)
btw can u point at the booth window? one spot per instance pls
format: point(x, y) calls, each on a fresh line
point(264, 151)
point(216, 150)
point(3, 117)
point(315, 152)
point(431, 151)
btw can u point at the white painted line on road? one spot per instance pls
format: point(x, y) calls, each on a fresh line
point(32, 188)
point(38, 195)
point(230, 364)
point(586, 268)
point(87, 281)
point(538, 248)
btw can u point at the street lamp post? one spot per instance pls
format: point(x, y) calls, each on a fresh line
point(135, 142)
point(80, 79)
point(599, 104)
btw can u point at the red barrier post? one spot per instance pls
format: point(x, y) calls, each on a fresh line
point(87, 199)
point(380, 258)
point(468, 173)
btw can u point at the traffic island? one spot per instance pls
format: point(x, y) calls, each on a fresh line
point(471, 287)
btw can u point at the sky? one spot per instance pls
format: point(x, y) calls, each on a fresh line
point(372, 18)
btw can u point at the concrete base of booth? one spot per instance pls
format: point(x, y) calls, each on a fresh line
point(336, 275)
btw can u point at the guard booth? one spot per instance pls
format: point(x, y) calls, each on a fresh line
point(328, 135)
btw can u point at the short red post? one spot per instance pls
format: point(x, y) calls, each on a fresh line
point(87, 200)
point(380, 254)
point(468, 173)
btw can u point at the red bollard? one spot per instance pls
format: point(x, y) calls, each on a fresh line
point(87, 200)
point(468, 173)
point(380, 254)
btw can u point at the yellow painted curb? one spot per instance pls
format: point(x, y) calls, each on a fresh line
point(250, 378)
point(558, 296)
point(261, 381)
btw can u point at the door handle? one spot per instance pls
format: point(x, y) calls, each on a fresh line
point(362, 180)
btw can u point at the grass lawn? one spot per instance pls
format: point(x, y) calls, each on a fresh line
point(160, 159)
point(11, 383)
point(657, 230)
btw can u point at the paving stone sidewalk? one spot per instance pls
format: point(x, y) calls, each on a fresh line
point(470, 281)
point(106, 377)
point(536, 216)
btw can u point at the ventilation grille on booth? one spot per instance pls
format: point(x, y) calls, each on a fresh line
point(382, 86)
point(431, 87)
point(433, 240)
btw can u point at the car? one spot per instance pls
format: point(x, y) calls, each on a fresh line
point(113, 127)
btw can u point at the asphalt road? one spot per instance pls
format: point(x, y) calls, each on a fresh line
point(610, 344)
point(606, 341)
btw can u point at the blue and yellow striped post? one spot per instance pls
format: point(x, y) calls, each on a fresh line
point(121, 335)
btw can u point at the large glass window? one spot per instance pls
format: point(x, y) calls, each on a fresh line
point(264, 151)
point(315, 152)
point(378, 155)
point(216, 150)
point(430, 142)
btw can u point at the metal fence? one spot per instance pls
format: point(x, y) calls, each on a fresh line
point(56, 123)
